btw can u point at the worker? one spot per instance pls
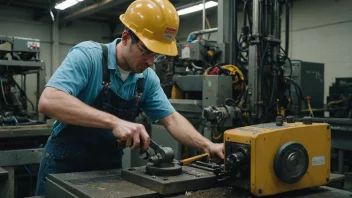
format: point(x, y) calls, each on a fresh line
point(95, 99)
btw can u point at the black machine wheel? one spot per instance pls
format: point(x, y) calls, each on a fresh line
point(291, 162)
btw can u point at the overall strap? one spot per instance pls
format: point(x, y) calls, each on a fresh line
point(106, 74)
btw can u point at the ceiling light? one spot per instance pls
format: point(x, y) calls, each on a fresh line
point(196, 8)
point(67, 3)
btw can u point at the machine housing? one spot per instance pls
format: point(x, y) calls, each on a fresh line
point(309, 76)
point(269, 159)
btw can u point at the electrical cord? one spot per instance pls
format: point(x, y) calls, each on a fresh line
point(22, 92)
point(285, 57)
point(3, 93)
point(300, 93)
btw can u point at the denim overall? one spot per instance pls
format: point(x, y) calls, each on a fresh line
point(77, 148)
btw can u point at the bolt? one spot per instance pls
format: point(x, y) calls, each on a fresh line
point(153, 176)
point(260, 191)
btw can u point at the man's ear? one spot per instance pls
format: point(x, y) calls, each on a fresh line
point(125, 37)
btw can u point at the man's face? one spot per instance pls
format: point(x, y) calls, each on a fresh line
point(138, 57)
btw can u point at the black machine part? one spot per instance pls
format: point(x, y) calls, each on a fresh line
point(157, 154)
point(160, 161)
point(237, 162)
point(239, 158)
point(291, 162)
point(213, 113)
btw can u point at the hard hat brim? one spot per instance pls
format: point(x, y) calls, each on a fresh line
point(168, 49)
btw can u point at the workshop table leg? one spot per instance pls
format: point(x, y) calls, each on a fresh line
point(7, 188)
point(340, 161)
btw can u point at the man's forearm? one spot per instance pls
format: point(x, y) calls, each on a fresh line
point(68, 109)
point(183, 131)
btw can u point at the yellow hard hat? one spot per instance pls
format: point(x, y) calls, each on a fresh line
point(155, 23)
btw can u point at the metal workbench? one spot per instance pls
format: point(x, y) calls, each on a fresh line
point(19, 146)
point(109, 184)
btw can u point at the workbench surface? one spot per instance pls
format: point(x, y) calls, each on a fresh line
point(109, 184)
point(25, 131)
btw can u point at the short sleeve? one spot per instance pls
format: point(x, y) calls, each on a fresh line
point(73, 74)
point(156, 104)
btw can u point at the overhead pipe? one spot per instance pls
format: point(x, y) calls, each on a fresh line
point(203, 15)
point(202, 32)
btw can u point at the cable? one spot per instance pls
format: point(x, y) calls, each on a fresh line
point(285, 57)
point(3, 93)
point(287, 28)
point(21, 90)
point(299, 89)
point(310, 109)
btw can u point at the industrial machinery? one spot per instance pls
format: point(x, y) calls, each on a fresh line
point(265, 159)
point(19, 57)
point(305, 81)
point(278, 157)
point(237, 93)
point(18, 48)
point(22, 128)
point(339, 101)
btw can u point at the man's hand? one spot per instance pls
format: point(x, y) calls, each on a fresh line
point(216, 152)
point(127, 132)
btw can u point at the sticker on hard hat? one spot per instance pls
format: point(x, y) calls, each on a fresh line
point(170, 33)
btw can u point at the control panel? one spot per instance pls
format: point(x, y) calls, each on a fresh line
point(26, 45)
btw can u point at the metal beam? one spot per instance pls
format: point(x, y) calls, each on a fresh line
point(89, 10)
point(21, 157)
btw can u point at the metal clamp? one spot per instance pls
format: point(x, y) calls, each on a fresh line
point(158, 154)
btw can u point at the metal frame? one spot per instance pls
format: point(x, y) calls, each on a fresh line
point(108, 183)
point(25, 131)
point(30, 66)
point(10, 158)
point(20, 157)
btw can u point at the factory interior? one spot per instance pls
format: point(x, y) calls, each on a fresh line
point(269, 80)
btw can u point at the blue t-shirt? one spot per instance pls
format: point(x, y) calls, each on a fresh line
point(81, 75)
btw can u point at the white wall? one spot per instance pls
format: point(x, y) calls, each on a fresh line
point(18, 22)
point(321, 32)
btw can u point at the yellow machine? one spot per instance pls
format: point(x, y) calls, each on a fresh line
point(278, 157)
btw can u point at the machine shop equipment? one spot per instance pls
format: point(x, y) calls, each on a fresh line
point(289, 166)
point(262, 155)
point(19, 48)
point(304, 79)
point(278, 157)
point(339, 101)
point(23, 130)
point(19, 57)
point(160, 160)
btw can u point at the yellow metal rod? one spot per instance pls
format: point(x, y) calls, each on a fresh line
point(192, 159)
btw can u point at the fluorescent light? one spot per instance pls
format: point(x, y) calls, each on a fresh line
point(196, 8)
point(65, 4)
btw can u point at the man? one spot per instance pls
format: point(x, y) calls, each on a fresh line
point(95, 97)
